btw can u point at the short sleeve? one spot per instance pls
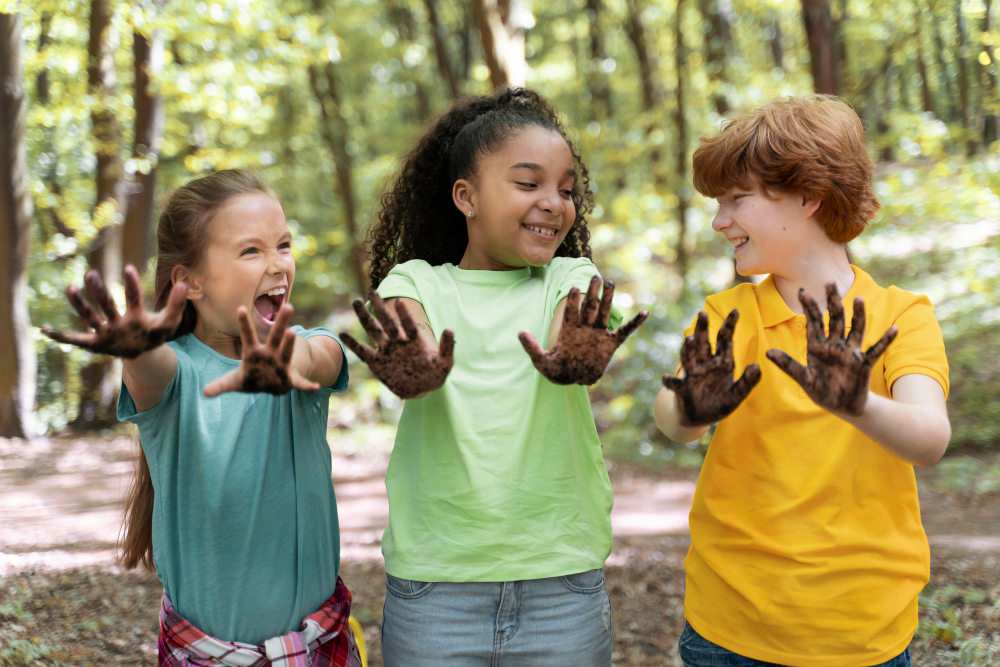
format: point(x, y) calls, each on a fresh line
point(578, 275)
point(126, 405)
point(341, 383)
point(399, 282)
point(918, 347)
point(715, 320)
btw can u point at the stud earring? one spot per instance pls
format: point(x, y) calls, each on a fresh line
point(469, 214)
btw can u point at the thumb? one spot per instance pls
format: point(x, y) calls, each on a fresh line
point(531, 346)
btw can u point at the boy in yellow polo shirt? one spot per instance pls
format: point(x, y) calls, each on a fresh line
point(806, 542)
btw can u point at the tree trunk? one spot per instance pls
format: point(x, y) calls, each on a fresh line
point(17, 353)
point(597, 81)
point(42, 95)
point(963, 66)
point(945, 82)
point(97, 395)
point(441, 50)
point(652, 95)
point(105, 253)
point(501, 29)
point(882, 118)
point(645, 55)
point(137, 233)
point(926, 94)
point(680, 58)
point(403, 15)
point(717, 13)
point(777, 48)
point(991, 119)
point(335, 134)
point(822, 36)
point(468, 28)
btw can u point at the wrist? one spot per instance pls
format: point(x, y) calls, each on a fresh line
point(862, 417)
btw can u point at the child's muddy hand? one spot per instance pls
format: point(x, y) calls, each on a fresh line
point(264, 368)
point(837, 374)
point(407, 364)
point(707, 392)
point(585, 346)
point(120, 335)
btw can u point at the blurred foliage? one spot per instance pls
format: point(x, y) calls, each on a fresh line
point(945, 619)
point(236, 92)
point(966, 473)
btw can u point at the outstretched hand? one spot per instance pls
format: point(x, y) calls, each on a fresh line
point(837, 374)
point(121, 335)
point(707, 392)
point(264, 368)
point(407, 364)
point(584, 346)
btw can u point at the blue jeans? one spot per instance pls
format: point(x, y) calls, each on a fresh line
point(696, 651)
point(559, 621)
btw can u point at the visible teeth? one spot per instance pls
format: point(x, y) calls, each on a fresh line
point(277, 291)
point(541, 230)
point(740, 241)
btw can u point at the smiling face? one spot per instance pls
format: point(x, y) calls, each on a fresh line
point(521, 201)
point(248, 262)
point(773, 235)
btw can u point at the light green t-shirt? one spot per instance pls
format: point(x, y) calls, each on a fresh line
point(498, 475)
point(245, 533)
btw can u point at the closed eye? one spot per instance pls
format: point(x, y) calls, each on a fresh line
point(527, 185)
point(248, 251)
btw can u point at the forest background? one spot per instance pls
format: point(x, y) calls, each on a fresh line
point(106, 105)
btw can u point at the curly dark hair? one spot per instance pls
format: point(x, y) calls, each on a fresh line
point(417, 217)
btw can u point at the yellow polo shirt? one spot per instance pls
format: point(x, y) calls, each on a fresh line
point(806, 542)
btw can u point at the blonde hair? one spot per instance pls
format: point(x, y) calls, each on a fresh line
point(813, 144)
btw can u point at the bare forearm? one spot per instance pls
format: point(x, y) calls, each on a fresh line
point(667, 417)
point(913, 433)
point(318, 359)
point(149, 375)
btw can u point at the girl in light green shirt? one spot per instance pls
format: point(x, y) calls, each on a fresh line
point(499, 500)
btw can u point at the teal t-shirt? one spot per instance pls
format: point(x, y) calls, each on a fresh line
point(245, 532)
point(498, 475)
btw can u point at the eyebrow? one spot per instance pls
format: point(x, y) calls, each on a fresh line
point(256, 239)
point(537, 167)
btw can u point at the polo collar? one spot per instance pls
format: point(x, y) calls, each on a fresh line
point(773, 309)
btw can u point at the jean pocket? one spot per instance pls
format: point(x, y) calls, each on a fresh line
point(407, 589)
point(591, 581)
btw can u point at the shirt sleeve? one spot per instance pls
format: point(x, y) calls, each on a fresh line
point(918, 347)
point(340, 385)
point(399, 283)
point(579, 275)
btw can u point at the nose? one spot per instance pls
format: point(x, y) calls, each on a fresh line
point(721, 220)
point(552, 203)
point(279, 264)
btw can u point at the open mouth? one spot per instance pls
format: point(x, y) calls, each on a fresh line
point(268, 303)
point(740, 242)
point(547, 233)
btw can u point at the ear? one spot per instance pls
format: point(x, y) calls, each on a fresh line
point(810, 205)
point(181, 274)
point(463, 193)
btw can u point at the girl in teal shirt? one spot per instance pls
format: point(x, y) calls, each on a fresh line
point(499, 500)
point(233, 501)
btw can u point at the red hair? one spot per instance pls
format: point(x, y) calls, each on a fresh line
point(815, 145)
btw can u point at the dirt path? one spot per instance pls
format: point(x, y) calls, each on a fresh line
point(62, 600)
